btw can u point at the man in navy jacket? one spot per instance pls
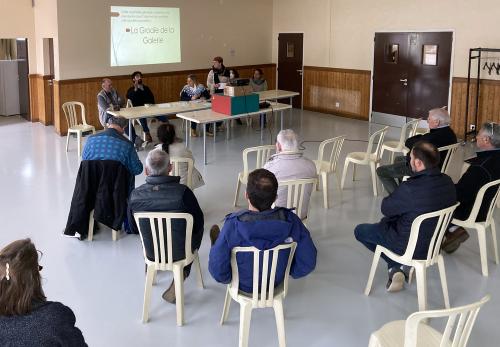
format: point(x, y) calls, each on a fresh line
point(262, 227)
point(427, 190)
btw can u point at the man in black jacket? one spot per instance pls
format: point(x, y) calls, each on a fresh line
point(483, 169)
point(164, 193)
point(440, 135)
point(425, 191)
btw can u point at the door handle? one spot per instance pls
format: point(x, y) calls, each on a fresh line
point(299, 71)
point(405, 80)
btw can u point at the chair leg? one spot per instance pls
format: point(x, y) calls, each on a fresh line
point(344, 173)
point(373, 269)
point(337, 179)
point(225, 310)
point(280, 321)
point(353, 172)
point(179, 294)
point(374, 178)
point(392, 157)
point(421, 272)
point(494, 240)
point(199, 278)
point(155, 278)
point(444, 283)
point(114, 234)
point(148, 286)
point(245, 318)
point(238, 183)
point(67, 140)
point(324, 180)
point(79, 140)
point(90, 234)
point(483, 252)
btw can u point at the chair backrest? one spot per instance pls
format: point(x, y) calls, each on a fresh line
point(129, 103)
point(262, 155)
point(479, 201)
point(443, 220)
point(263, 296)
point(69, 109)
point(450, 153)
point(177, 163)
point(164, 255)
point(463, 325)
point(296, 192)
point(375, 143)
point(336, 144)
point(408, 130)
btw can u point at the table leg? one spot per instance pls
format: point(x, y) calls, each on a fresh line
point(188, 126)
point(281, 115)
point(130, 129)
point(214, 131)
point(204, 143)
point(227, 130)
point(261, 128)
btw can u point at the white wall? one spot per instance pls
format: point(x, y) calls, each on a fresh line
point(46, 27)
point(208, 28)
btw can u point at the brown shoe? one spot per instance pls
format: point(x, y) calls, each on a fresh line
point(453, 240)
point(169, 294)
point(214, 233)
point(193, 133)
point(209, 133)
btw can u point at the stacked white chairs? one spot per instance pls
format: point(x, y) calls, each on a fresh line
point(163, 257)
point(450, 154)
point(262, 154)
point(74, 127)
point(433, 255)
point(295, 198)
point(264, 294)
point(325, 166)
point(482, 227)
point(177, 163)
point(408, 130)
point(371, 157)
point(415, 332)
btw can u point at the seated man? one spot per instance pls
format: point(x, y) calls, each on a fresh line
point(262, 227)
point(164, 193)
point(110, 144)
point(289, 164)
point(440, 135)
point(483, 169)
point(425, 191)
point(140, 94)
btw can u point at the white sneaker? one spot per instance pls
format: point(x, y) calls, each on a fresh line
point(77, 235)
point(396, 283)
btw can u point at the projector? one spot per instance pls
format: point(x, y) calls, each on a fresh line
point(239, 82)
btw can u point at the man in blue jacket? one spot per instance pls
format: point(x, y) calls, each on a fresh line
point(262, 227)
point(427, 190)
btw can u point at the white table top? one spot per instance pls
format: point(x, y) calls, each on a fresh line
point(209, 116)
point(169, 108)
point(276, 94)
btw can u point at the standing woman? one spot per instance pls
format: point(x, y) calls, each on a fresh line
point(259, 84)
point(26, 317)
point(194, 91)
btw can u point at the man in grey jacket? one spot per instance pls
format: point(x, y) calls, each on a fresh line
point(289, 164)
point(107, 99)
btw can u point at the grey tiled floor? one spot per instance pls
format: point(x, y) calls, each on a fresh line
point(103, 281)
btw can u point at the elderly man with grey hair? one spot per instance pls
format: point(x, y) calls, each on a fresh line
point(483, 169)
point(289, 164)
point(164, 193)
point(440, 134)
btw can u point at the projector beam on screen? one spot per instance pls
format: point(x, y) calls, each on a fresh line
point(145, 35)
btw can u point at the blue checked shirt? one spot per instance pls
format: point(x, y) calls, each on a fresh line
point(111, 145)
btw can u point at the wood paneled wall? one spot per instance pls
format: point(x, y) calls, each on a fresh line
point(325, 87)
point(166, 87)
point(40, 99)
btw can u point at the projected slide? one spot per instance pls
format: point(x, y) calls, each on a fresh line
point(145, 35)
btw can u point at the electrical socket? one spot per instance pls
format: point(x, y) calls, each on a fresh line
point(472, 127)
point(337, 104)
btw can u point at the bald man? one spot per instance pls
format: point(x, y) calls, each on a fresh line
point(107, 99)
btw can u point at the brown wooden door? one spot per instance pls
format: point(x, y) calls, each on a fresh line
point(290, 65)
point(411, 72)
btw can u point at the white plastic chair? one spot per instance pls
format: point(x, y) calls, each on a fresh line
point(481, 227)
point(433, 255)
point(262, 155)
point(295, 193)
point(266, 296)
point(90, 235)
point(450, 154)
point(328, 165)
point(70, 112)
point(371, 157)
point(408, 130)
point(177, 163)
point(414, 332)
point(164, 257)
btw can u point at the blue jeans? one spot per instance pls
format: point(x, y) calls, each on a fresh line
point(372, 235)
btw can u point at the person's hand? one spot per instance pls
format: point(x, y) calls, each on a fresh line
point(194, 97)
point(217, 86)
